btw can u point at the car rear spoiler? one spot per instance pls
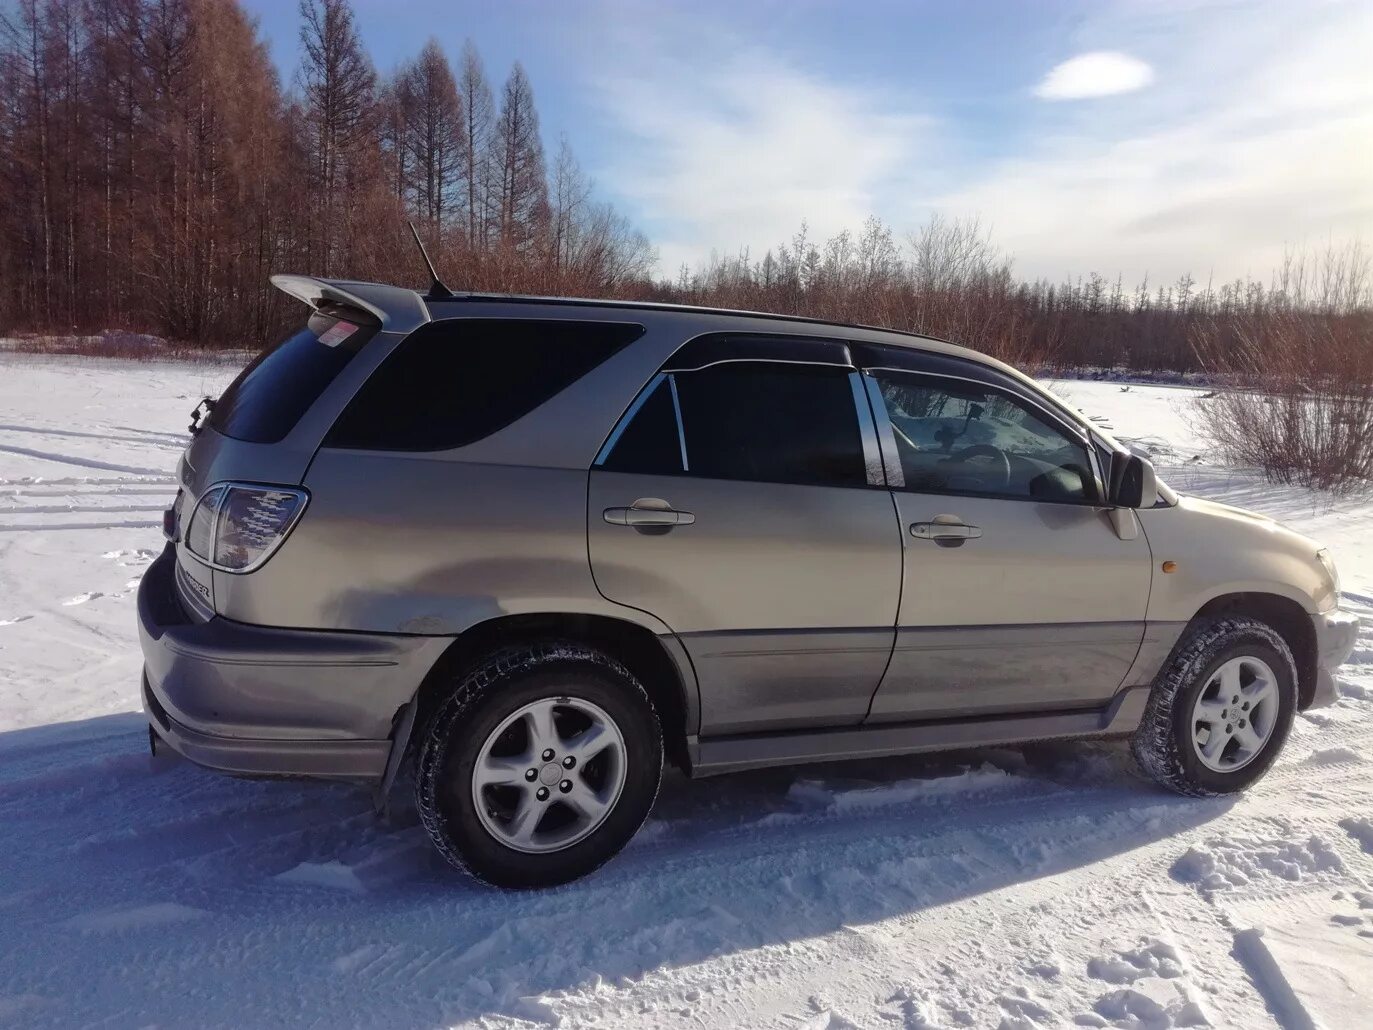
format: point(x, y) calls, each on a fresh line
point(398, 310)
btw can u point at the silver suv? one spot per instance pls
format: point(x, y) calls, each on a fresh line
point(535, 546)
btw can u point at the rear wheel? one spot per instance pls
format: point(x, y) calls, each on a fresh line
point(540, 766)
point(1220, 709)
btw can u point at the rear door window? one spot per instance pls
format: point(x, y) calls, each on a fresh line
point(268, 398)
point(452, 382)
point(756, 421)
point(772, 423)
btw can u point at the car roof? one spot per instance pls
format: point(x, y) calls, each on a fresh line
point(401, 310)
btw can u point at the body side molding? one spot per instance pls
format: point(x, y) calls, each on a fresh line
point(711, 757)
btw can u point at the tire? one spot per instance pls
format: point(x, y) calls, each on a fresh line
point(1182, 722)
point(488, 739)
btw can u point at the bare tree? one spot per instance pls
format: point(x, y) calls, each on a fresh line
point(393, 130)
point(339, 87)
point(153, 174)
point(31, 142)
point(478, 119)
point(522, 209)
point(431, 113)
point(569, 193)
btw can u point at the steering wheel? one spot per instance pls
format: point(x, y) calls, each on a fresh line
point(986, 450)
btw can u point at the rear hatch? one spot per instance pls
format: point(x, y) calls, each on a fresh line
point(264, 429)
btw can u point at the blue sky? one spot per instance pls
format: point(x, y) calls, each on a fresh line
point(1153, 137)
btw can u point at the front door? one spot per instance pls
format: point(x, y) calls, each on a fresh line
point(742, 504)
point(1019, 595)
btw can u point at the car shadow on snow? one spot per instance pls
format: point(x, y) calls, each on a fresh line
point(156, 891)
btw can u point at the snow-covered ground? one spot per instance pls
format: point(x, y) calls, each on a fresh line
point(1048, 886)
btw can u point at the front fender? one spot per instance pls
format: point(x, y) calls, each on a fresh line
point(1214, 550)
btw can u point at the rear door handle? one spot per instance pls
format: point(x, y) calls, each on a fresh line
point(649, 512)
point(950, 534)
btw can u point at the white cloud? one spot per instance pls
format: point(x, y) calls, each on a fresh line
point(740, 156)
point(1244, 150)
point(1101, 73)
point(1256, 135)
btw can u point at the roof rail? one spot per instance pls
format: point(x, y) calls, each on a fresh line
point(659, 305)
point(403, 310)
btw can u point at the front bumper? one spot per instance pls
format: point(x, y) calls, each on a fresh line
point(262, 701)
point(1336, 633)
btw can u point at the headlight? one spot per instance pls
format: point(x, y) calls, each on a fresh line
point(1328, 563)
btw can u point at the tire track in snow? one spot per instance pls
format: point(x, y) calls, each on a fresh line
point(90, 463)
point(45, 527)
point(49, 431)
point(83, 481)
point(81, 509)
point(126, 487)
point(180, 440)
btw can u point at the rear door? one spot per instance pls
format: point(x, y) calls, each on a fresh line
point(253, 430)
point(741, 501)
point(1018, 595)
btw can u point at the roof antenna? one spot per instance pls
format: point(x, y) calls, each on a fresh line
point(437, 291)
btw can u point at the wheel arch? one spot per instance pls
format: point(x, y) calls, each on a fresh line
point(1286, 617)
point(657, 661)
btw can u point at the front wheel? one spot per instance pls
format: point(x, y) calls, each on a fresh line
point(540, 766)
point(1220, 709)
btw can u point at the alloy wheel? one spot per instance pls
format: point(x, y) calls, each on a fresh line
point(1235, 714)
point(549, 774)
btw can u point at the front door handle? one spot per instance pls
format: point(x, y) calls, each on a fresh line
point(648, 513)
point(945, 530)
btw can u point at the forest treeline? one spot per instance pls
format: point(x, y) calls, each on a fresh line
point(155, 170)
point(948, 279)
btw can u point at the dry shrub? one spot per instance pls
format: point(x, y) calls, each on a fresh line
point(114, 343)
point(948, 279)
point(1300, 402)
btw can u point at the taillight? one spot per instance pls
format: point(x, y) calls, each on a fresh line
point(237, 526)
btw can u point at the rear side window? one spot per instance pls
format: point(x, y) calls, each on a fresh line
point(451, 383)
point(771, 423)
point(268, 398)
point(762, 422)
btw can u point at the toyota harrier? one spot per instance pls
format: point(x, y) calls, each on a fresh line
point(535, 547)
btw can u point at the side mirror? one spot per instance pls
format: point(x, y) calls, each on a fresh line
point(1133, 484)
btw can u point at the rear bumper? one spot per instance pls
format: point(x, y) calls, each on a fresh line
point(361, 760)
point(1336, 632)
point(262, 701)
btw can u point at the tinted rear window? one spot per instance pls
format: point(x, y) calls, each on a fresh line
point(453, 382)
point(772, 423)
point(267, 399)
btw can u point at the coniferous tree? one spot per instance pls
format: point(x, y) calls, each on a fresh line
point(338, 86)
point(522, 189)
point(478, 118)
point(155, 174)
point(30, 178)
point(427, 95)
point(569, 193)
point(393, 110)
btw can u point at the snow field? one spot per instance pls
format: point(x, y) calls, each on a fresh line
point(1022, 888)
